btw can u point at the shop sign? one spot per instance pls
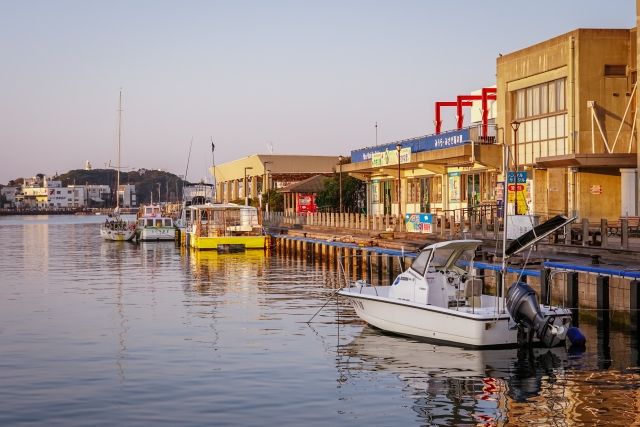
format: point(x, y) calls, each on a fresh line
point(519, 177)
point(595, 189)
point(423, 143)
point(390, 157)
point(306, 203)
point(419, 223)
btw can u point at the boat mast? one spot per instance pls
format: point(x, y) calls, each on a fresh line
point(119, 141)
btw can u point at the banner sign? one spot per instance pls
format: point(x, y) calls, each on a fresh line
point(416, 145)
point(419, 223)
point(389, 157)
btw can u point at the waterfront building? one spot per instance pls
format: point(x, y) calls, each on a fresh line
point(565, 106)
point(251, 176)
point(452, 171)
point(569, 101)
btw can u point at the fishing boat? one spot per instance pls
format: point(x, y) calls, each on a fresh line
point(115, 227)
point(153, 225)
point(441, 298)
point(224, 227)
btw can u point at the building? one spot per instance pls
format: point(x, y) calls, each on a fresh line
point(567, 106)
point(245, 178)
point(452, 171)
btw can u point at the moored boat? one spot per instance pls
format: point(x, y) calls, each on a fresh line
point(225, 227)
point(117, 229)
point(153, 225)
point(440, 298)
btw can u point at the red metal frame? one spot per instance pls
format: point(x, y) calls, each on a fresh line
point(488, 94)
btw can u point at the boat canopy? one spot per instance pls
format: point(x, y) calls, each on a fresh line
point(538, 233)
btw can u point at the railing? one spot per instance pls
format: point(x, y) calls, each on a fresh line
point(477, 222)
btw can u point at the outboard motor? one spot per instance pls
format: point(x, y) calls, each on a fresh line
point(525, 311)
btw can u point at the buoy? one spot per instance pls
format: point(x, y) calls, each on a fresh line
point(576, 336)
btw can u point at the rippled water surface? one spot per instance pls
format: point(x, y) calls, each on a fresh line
point(107, 333)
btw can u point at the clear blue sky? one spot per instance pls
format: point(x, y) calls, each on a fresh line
point(306, 77)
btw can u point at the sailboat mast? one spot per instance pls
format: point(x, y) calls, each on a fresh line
point(119, 141)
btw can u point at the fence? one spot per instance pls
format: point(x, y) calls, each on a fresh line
point(478, 222)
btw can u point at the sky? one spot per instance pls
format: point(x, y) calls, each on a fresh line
point(288, 77)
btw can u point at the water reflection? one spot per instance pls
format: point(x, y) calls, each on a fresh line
point(451, 386)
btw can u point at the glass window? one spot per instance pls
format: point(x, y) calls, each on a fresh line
point(543, 128)
point(535, 101)
point(560, 95)
point(529, 101)
point(535, 131)
point(544, 101)
point(552, 97)
point(560, 128)
point(436, 189)
point(420, 263)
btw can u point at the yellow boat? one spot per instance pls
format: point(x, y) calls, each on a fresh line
point(225, 227)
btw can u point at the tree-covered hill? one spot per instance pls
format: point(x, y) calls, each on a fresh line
point(164, 184)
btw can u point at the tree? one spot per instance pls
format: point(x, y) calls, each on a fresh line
point(274, 199)
point(353, 194)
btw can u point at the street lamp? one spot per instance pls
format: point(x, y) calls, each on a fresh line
point(246, 198)
point(265, 180)
point(515, 125)
point(398, 148)
point(340, 180)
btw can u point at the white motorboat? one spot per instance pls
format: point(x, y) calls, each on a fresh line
point(153, 225)
point(440, 298)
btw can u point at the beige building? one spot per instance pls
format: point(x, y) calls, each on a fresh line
point(246, 177)
point(568, 105)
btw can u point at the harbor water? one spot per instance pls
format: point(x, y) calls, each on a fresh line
point(96, 332)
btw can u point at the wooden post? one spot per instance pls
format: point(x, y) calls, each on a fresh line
point(483, 222)
point(572, 295)
point(634, 306)
point(379, 267)
point(602, 298)
point(604, 232)
point(624, 225)
point(585, 231)
point(389, 269)
point(368, 266)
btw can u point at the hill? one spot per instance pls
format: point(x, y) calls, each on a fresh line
point(165, 185)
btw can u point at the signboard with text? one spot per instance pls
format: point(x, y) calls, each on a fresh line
point(419, 223)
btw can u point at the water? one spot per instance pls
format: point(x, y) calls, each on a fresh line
point(105, 333)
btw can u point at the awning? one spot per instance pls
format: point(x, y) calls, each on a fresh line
point(586, 160)
point(97, 200)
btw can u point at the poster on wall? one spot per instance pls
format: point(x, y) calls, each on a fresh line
point(454, 186)
point(419, 223)
point(305, 203)
point(518, 187)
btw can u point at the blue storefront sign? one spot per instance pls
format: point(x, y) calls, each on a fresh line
point(419, 223)
point(520, 175)
point(423, 143)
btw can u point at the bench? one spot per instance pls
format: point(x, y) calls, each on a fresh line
point(633, 225)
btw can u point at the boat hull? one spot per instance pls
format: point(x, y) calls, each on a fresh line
point(157, 234)
point(431, 323)
point(212, 243)
point(117, 235)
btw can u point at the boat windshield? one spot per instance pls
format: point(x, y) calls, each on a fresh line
point(447, 258)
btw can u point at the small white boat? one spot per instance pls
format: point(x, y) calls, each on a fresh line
point(441, 299)
point(152, 225)
point(117, 229)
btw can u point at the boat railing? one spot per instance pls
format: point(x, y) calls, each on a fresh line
point(343, 272)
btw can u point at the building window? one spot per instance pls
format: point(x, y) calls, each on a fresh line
point(435, 189)
point(543, 128)
point(617, 70)
point(413, 190)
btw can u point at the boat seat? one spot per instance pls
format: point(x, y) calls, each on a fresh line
point(473, 288)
